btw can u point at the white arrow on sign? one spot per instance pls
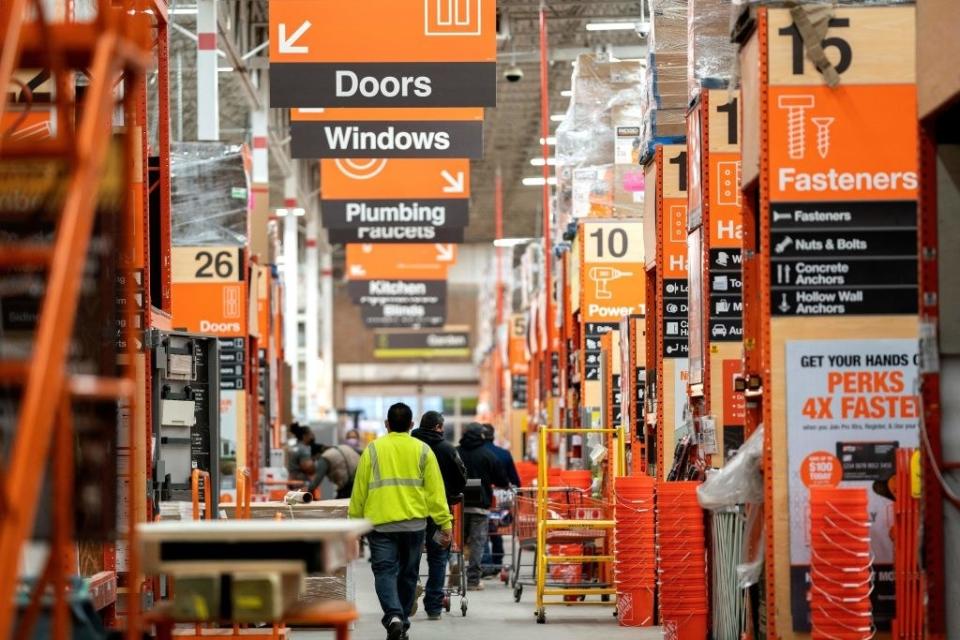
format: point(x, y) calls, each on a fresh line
point(454, 184)
point(288, 45)
point(357, 270)
point(444, 252)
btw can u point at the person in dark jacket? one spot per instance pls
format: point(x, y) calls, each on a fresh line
point(454, 480)
point(482, 464)
point(510, 469)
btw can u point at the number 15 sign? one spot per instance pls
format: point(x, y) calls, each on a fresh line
point(383, 53)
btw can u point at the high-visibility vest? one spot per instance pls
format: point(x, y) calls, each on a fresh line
point(398, 479)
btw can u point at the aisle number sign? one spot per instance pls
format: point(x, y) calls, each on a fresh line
point(612, 270)
point(672, 226)
point(383, 53)
point(843, 167)
point(209, 291)
point(386, 133)
point(395, 200)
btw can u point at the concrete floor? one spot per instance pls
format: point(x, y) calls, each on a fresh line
point(492, 615)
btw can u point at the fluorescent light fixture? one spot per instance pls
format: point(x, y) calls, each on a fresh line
point(551, 140)
point(299, 212)
point(613, 26)
point(538, 162)
point(183, 11)
point(282, 213)
point(568, 93)
point(507, 243)
point(225, 69)
point(558, 117)
point(538, 182)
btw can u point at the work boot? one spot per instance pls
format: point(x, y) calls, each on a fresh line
point(395, 629)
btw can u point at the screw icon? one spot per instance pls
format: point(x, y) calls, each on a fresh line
point(823, 135)
point(796, 107)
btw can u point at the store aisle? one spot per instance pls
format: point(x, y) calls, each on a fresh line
point(492, 615)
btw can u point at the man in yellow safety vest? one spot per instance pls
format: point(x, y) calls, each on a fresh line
point(397, 487)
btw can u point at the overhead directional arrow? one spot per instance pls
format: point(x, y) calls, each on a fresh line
point(288, 45)
point(357, 270)
point(444, 252)
point(454, 184)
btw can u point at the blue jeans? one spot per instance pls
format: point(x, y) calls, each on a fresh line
point(395, 559)
point(437, 564)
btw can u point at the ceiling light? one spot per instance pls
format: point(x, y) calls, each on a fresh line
point(282, 213)
point(183, 11)
point(558, 117)
point(538, 162)
point(550, 140)
point(538, 182)
point(299, 212)
point(568, 93)
point(506, 243)
point(613, 26)
point(225, 69)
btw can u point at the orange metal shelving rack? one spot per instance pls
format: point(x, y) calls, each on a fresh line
point(115, 42)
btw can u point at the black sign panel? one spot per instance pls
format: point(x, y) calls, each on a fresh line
point(394, 315)
point(554, 374)
point(319, 84)
point(396, 234)
point(359, 214)
point(232, 363)
point(593, 331)
point(843, 258)
point(676, 325)
point(617, 401)
point(380, 292)
point(518, 388)
point(726, 296)
point(400, 139)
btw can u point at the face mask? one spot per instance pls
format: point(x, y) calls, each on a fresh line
point(353, 442)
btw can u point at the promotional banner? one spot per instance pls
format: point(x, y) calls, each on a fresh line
point(386, 133)
point(395, 200)
point(399, 261)
point(383, 53)
point(850, 405)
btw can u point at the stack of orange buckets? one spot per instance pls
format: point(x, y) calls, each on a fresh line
point(681, 543)
point(841, 572)
point(636, 563)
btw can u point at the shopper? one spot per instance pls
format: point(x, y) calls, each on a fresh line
point(397, 487)
point(301, 467)
point(337, 463)
point(454, 479)
point(510, 469)
point(481, 464)
point(352, 439)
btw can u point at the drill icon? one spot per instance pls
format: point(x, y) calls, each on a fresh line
point(603, 276)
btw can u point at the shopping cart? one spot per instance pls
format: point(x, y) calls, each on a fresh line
point(501, 518)
point(456, 585)
point(563, 502)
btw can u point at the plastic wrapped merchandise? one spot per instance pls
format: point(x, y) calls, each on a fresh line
point(209, 194)
point(710, 52)
point(740, 481)
point(668, 26)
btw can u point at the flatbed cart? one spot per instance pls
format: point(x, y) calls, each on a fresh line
point(524, 533)
point(588, 523)
point(457, 589)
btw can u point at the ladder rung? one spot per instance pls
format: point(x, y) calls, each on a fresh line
point(579, 524)
point(575, 591)
point(36, 256)
point(13, 372)
point(579, 558)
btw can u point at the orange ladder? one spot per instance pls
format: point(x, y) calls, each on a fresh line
point(115, 42)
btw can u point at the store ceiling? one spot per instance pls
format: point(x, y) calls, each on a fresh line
point(511, 131)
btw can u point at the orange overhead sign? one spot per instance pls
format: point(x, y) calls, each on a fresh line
point(382, 179)
point(399, 261)
point(379, 53)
